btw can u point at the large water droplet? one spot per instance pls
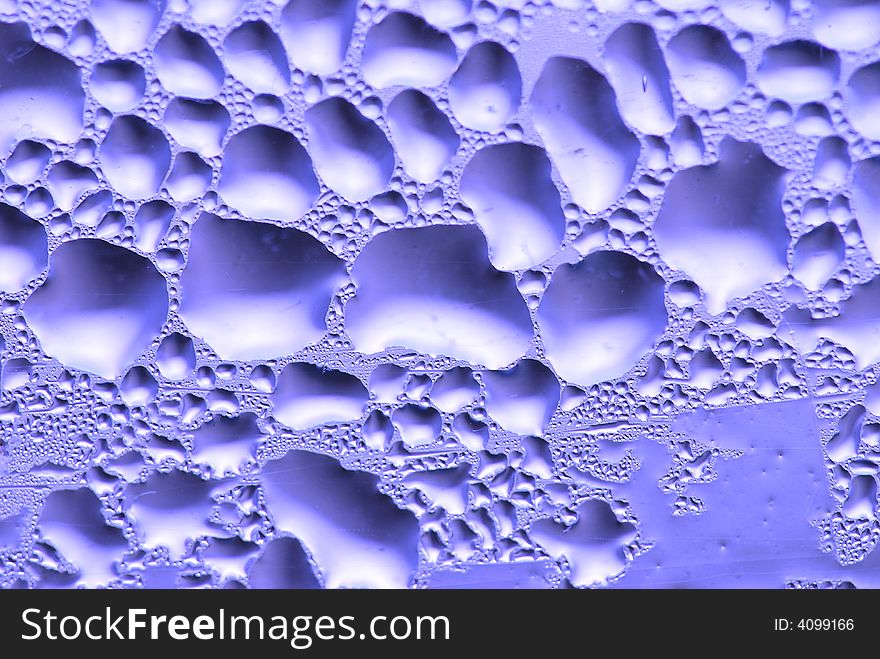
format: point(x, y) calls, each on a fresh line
point(640, 78)
point(599, 316)
point(40, 91)
point(24, 248)
point(594, 544)
point(423, 136)
point(254, 290)
point(317, 33)
point(254, 54)
point(485, 91)
point(798, 71)
point(308, 395)
point(135, 156)
point(357, 536)
point(267, 174)
point(575, 112)
point(118, 85)
point(402, 49)
point(846, 24)
point(515, 202)
point(127, 25)
point(523, 398)
point(99, 308)
point(723, 223)
point(350, 152)
point(187, 65)
point(704, 66)
point(434, 290)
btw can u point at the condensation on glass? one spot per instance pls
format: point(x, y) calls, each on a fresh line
point(386, 293)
